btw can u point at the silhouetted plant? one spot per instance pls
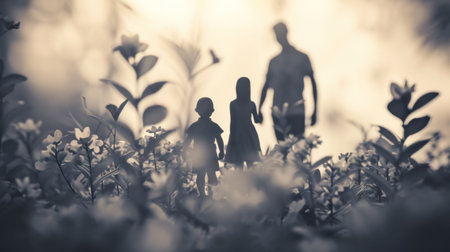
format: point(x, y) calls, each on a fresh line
point(407, 170)
point(130, 49)
point(188, 55)
point(100, 180)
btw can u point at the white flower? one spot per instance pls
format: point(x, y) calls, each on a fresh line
point(48, 152)
point(40, 165)
point(82, 134)
point(154, 130)
point(142, 142)
point(130, 46)
point(53, 139)
point(72, 147)
point(29, 126)
point(341, 165)
point(24, 186)
point(313, 140)
point(95, 144)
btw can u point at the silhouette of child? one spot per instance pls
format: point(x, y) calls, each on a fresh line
point(204, 133)
point(243, 144)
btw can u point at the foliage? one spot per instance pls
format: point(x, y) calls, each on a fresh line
point(188, 55)
point(101, 187)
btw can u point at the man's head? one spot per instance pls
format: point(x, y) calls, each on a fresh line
point(205, 107)
point(281, 31)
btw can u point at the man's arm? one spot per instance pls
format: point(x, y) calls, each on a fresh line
point(256, 118)
point(263, 94)
point(314, 90)
point(220, 145)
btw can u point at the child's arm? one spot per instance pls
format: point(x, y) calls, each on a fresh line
point(256, 117)
point(220, 144)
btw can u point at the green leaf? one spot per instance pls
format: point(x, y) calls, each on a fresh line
point(145, 65)
point(112, 110)
point(121, 181)
point(61, 156)
point(380, 182)
point(154, 114)
point(115, 112)
point(413, 148)
point(101, 178)
point(10, 146)
point(75, 120)
point(13, 114)
point(84, 170)
point(87, 111)
point(321, 161)
point(153, 88)
point(316, 175)
point(125, 132)
point(423, 100)
point(154, 142)
point(121, 90)
point(12, 79)
point(414, 175)
point(307, 196)
point(6, 90)
point(398, 109)
point(121, 107)
point(396, 90)
point(214, 57)
point(416, 125)
point(385, 153)
point(389, 135)
point(8, 83)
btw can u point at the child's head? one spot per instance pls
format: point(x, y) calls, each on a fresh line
point(243, 89)
point(205, 107)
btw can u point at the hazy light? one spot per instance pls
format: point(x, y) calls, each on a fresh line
point(357, 48)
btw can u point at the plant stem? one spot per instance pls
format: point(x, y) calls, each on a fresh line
point(55, 156)
point(154, 159)
point(114, 156)
point(332, 194)
point(311, 187)
point(88, 154)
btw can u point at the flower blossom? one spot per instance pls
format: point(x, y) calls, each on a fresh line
point(95, 144)
point(82, 134)
point(49, 151)
point(313, 140)
point(398, 92)
point(40, 165)
point(29, 126)
point(24, 186)
point(130, 46)
point(57, 136)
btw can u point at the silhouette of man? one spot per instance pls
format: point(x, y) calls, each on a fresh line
point(285, 76)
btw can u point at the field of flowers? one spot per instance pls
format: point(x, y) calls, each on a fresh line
point(99, 187)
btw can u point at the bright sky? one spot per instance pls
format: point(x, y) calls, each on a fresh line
point(356, 47)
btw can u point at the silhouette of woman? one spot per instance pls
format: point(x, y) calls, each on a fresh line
point(243, 144)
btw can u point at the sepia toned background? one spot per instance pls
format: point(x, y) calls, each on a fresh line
point(357, 49)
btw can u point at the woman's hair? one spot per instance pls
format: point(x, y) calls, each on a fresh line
point(243, 89)
point(205, 106)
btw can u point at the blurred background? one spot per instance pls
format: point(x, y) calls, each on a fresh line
point(357, 48)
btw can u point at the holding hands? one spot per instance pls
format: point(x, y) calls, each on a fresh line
point(221, 155)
